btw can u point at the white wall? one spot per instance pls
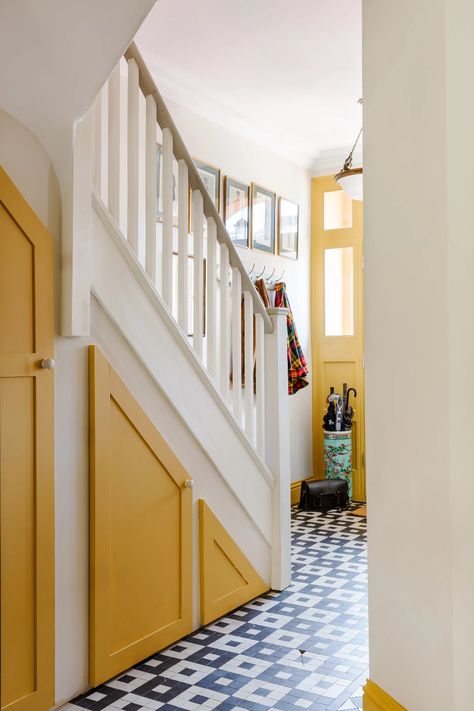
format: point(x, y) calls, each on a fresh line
point(419, 247)
point(460, 157)
point(245, 161)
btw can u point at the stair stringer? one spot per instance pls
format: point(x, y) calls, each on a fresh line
point(126, 294)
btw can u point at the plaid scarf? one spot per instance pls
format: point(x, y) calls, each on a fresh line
point(297, 366)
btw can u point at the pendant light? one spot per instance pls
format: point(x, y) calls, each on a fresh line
point(351, 179)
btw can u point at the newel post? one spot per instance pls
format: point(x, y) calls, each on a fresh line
point(277, 445)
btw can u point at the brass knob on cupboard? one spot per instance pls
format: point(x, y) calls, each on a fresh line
point(48, 364)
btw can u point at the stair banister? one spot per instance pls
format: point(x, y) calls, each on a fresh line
point(164, 119)
point(248, 376)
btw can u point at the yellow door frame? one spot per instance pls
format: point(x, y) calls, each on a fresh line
point(337, 359)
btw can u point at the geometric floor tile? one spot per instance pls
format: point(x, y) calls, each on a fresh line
point(303, 648)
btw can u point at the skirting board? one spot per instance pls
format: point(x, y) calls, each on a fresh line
point(295, 490)
point(376, 699)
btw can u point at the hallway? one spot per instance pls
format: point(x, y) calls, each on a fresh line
point(250, 659)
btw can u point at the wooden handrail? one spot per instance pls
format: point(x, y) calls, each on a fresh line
point(164, 119)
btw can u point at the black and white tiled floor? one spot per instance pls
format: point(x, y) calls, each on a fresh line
point(252, 658)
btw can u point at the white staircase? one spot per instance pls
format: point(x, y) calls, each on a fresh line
point(174, 290)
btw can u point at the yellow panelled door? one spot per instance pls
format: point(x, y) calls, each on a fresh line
point(337, 315)
point(141, 532)
point(26, 456)
point(228, 579)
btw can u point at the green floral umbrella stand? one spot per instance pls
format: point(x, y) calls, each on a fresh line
point(338, 456)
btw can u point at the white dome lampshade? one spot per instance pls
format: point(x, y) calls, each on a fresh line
point(351, 181)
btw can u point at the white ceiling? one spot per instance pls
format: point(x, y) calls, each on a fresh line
point(285, 73)
point(55, 55)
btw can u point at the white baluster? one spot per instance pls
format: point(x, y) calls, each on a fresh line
point(237, 343)
point(224, 321)
point(113, 198)
point(211, 282)
point(183, 240)
point(197, 220)
point(168, 189)
point(248, 356)
point(260, 383)
point(132, 155)
point(97, 162)
point(150, 188)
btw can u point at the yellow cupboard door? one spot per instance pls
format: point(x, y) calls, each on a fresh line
point(26, 456)
point(337, 315)
point(141, 533)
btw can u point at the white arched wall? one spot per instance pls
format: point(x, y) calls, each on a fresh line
point(56, 54)
point(29, 166)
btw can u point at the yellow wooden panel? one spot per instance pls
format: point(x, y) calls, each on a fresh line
point(134, 502)
point(18, 537)
point(26, 456)
point(295, 491)
point(141, 545)
point(17, 313)
point(337, 359)
point(376, 699)
point(227, 578)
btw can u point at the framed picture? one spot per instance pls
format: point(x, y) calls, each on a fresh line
point(263, 219)
point(236, 211)
point(159, 186)
point(288, 227)
point(211, 177)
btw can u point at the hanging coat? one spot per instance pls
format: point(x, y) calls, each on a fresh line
point(297, 366)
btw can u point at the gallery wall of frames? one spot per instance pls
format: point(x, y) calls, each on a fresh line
point(255, 216)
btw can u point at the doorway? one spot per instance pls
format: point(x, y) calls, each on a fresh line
point(337, 289)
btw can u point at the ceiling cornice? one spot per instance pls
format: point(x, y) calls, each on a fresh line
point(176, 89)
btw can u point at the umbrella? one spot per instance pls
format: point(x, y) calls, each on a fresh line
point(339, 412)
point(337, 399)
point(329, 419)
point(348, 410)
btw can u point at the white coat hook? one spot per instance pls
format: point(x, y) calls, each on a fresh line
point(188, 484)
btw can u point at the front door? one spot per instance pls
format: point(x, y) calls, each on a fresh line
point(337, 315)
point(26, 456)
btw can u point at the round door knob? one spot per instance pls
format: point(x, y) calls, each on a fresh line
point(189, 484)
point(48, 363)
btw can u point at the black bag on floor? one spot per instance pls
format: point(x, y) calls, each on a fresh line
point(324, 494)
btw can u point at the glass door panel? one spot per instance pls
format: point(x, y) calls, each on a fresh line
point(339, 291)
point(337, 210)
